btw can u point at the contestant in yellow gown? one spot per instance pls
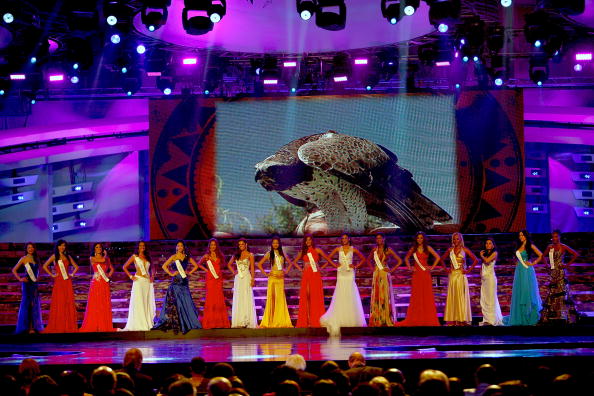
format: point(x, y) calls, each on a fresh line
point(276, 313)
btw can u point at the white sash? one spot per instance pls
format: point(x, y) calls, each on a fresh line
point(62, 269)
point(454, 260)
point(519, 256)
point(102, 273)
point(180, 269)
point(377, 260)
point(278, 261)
point(212, 270)
point(30, 272)
point(140, 265)
point(312, 262)
point(552, 258)
point(418, 262)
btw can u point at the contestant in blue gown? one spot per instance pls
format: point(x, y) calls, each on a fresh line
point(526, 303)
point(179, 312)
point(30, 309)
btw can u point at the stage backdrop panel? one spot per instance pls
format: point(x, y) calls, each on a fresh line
point(218, 167)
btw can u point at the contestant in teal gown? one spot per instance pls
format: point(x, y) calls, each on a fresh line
point(526, 303)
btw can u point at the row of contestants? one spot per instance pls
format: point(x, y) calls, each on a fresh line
point(180, 314)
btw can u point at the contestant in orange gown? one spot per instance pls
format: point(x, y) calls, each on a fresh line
point(215, 309)
point(421, 309)
point(62, 315)
point(311, 295)
point(98, 313)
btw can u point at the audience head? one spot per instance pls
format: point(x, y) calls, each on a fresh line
point(44, 385)
point(72, 383)
point(236, 382)
point(433, 383)
point(29, 370)
point(493, 390)
point(456, 387)
point(283, 373)
point(393, 375)
point(296, 361)
point(325, 387)
point(514, 388)
point(133, 359)
point(356, 360)
point(288, 388)
point(365, 389)
point(381, 384)
point(223, 370)
point(397, 389)
point(238, 392)
point(198, 365)
point(103, 381)
point(124, 381)
point(327, 368)
point(341, 380)
point(168, 381)
point(181, 388)
point(486, 374)
point(219, 386)
point(9, 385)
point(565, 384)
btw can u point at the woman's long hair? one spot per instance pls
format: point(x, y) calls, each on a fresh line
point(35, 255)
point(237, 254)
point(528, 246)
point(218, 251)
point(304, 245)
point(93, 249)
point(186, 255)
point(386, 247)
point(348, 236)
point(147, 256)
point(57, 252)
point(489, 252)
point(280, 249)
point(460, 236)
point(415, 244)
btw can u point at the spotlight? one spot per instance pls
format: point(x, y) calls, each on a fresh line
point(583, 56)
point(537, 43)
point(112, 20)
point(475, 58)
point(391, 10)
point(306, 9)
point(140, 49)
point(410, 7)
point(124, 70)
point(75, 66)
point(115, 38)
point(33, 60)
point(539, 69)
point(577, 67)
point(154, 14)
point(331, 15)
point(196, 17)
point(506, 3)
point(8, 17)
point(290, 64)
point(116, 12)
point(217, 10)
point(74, 79)
point(293, 90)
point(368, 87)
point(464, 58)
point(189, 61)
point(166, 85)
point(443, 28)
point(56, 78)
point(443, 12)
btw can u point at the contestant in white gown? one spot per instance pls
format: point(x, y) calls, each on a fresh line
point(243, 311)
point(489, 301)
point(141, 312)
point(346, 309)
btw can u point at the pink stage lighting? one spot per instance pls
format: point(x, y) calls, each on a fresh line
point(443, 63)
point(290, 64)
point(583, 56)
point(153, 74)
point(340, 79)
point(56, 77)
point(361, 61)
point(270, 82)
point(17, 77)
point(190, 61)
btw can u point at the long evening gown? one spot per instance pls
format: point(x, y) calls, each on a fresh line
point(276, 313)
point(345, 309)
point(311, 294)
point(558, 305)
point(62, 315)
point(243, 310)
point(215, 309)
point(98, 313)
point(382, 308)
point(30, 308)
point(458, 299)
point(489, 301)
point(421, 308)
point(142, 309)
point(526, 303)
point(178, 312)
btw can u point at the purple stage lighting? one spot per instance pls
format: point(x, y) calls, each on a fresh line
point(290, 64)
point(442, 63)
point(56, 77)
point(587, 56)
point(17, 77)
point(190, 61)
point(270, 82)
point(340, 79)
point(153, 74)
point(361, 61)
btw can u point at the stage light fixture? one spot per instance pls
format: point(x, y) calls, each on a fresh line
point(196, 17)
point(166, 84)
point(577, 67)
point(306, 9)
point(391, 10)
point(587, 56)
point(33, 60)
point(190, 61)
point(74, 79)
point(140, 49)
point(498, 81)
point(331, 15)
point(569, 7)
point(539, 69)
point(341, 67)
point(115, 12)
point(443, 28)
point(506, 3)
point(56, 78)
point(115, 38)
point(410, 6)
point(544, 33)
point(154, 13)
point(217, 10)
point(8, 17)
point(444, 12)
point(131, 82)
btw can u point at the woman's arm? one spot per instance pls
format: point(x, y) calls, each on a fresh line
point(201, 263)
point(110, 269)
point(194, 266)
point(16, 268)
point(435, 257)
point(330, 261)
point(538, 254)
point(125, 268)
point(287, 267)
point(396, 257)
point(325, 257)
point(443, 258)
point(229, 265)
point(490, 259)
point(46, 265)
point(407, 258)
point(362, 259)
point(165, 267)
point(296, 261)
point(261, 262)
point(252, 269)
point(74, 265)
point(473, 257)
point(574, 255)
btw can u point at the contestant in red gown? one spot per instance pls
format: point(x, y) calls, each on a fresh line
point(98, 313)
point(215, 309)
point(62, 315)
point(311, 294)
point(421, 308)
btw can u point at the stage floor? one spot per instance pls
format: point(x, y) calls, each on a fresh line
point(266, 345)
